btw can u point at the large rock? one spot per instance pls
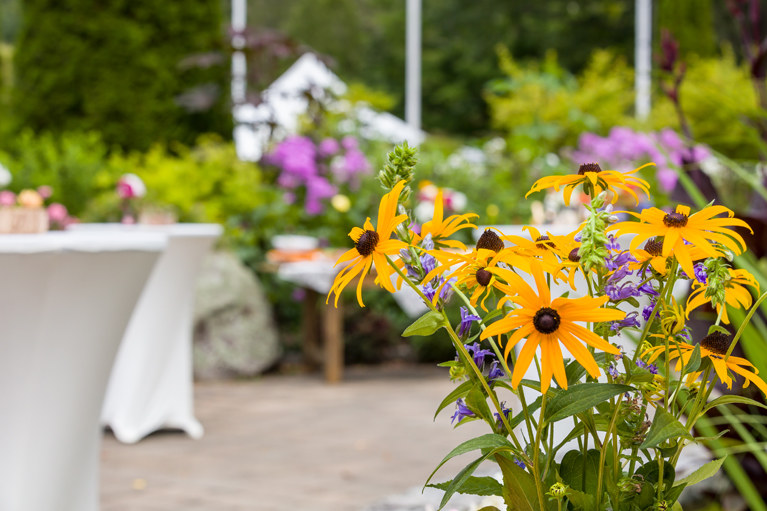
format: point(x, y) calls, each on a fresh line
point(234, 336)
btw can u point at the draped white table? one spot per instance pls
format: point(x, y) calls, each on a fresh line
point(151, 386)
point(66, 299)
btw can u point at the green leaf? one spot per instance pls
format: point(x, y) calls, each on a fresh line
point(477, 403)
point(580, 500)
point(462, 476)
point(574, 372)
point(460, 391)
point(532, 407)
point(582, 397)
point(519, 491)
point(489, 441)
point(703, 473)
point(694, 363)
point(677, 506)
point(579, 474)
point(718, 328)
point(732, 398)
point(650, 472)
point(664, 426)
point(483, 486)
point(672, 494)
point(425, 325)
point(489, 508)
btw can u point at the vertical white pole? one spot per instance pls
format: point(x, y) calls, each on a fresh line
point(413, 64)
point(239, 66)
point(642, 57)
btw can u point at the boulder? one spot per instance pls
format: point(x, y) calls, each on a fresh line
point(234, 334)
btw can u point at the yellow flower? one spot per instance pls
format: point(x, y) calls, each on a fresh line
point(735, 293)
point(592, 175)
point(547, 323)
point(541, 246)
point(479, 271)
point(372, 245)
point(652, 254)
point(714, 347)
point(441, 228)
point(700, 231)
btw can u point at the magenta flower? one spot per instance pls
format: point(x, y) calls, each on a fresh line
point(7, 198)
point(328, 147)
point(58, 213)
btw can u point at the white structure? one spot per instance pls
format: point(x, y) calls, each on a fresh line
point(284, 101)
point(643, 57)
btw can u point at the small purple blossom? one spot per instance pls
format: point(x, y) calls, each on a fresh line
point(462, 412)
point(428, 262)
point(466, 320)
point(622, 292)
point(700, 273)
point(478, 354)
point(427, 243)
point(447, 290)
point(629, 321)
point(519, 463)
point(647, 311)
point(495, 371)
point(612, 243)
point(621, 260)
point(428, 289)
point(644, 365)
point(648, 289)
point(506, 411)
point(612, 371)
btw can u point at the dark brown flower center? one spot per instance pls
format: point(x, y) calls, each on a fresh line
point(654, 247)
point(483, 277)
point(573, 255)
point(675, 220)
point(490, 241)
point(717, 343)
point(589, 167)
point(546, 320)
point(544, 242)
point(367, 243)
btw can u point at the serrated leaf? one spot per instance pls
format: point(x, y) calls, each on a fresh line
point(582, 397)
point(730, 399)
point(482, 486)
point(664, 426)
point(425, 325)
point(460, 391)
point(694, 363)
point(703, 473)
point(489, 441)
point(519, 490)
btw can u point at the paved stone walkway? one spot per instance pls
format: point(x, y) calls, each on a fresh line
point(293, 443)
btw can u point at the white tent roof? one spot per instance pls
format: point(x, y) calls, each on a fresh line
point(284, 102)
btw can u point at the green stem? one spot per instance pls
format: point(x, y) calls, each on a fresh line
point(603, 453)
point(536, 456)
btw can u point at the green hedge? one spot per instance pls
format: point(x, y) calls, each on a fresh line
point(114, 67)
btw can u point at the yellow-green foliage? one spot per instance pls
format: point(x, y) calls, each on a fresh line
point(206, 183)
point(543, 102)
point(719, 100)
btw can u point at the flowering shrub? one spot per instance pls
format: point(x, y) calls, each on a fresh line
point(553, 356)
point(317, 171)
point(624, 147)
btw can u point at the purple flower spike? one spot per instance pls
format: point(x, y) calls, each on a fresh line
point(629, 321)
point(495, 371)
point(462, 412)
point(466, 321)
point(700, 273)
point(478, 354)
point(447, 289)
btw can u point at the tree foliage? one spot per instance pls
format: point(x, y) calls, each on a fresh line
point(115, 67)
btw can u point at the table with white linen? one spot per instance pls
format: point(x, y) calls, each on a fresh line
point(66, 300)
point(151, 386)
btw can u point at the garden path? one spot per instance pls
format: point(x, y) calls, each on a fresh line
point(293, 443)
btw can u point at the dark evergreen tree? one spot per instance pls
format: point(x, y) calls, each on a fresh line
point(118, 67)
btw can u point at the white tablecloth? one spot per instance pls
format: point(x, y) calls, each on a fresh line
point(66, 299)
point(151, 383)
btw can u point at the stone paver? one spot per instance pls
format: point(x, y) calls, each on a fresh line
point(293, 443)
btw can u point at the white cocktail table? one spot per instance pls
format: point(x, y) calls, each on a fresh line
point(151, 386)
point(66, 299)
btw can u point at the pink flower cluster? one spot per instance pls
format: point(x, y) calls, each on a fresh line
point(319, 169)
point(623, 148)
point(58, 215)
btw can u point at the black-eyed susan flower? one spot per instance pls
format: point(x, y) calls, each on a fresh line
point(372, 246)
point(685, 235)
point(733, 287)
point(714, 347)
point(592, 176)
point(442, 228)
point(547, 323)
point(480, 271)
point(540, 246)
